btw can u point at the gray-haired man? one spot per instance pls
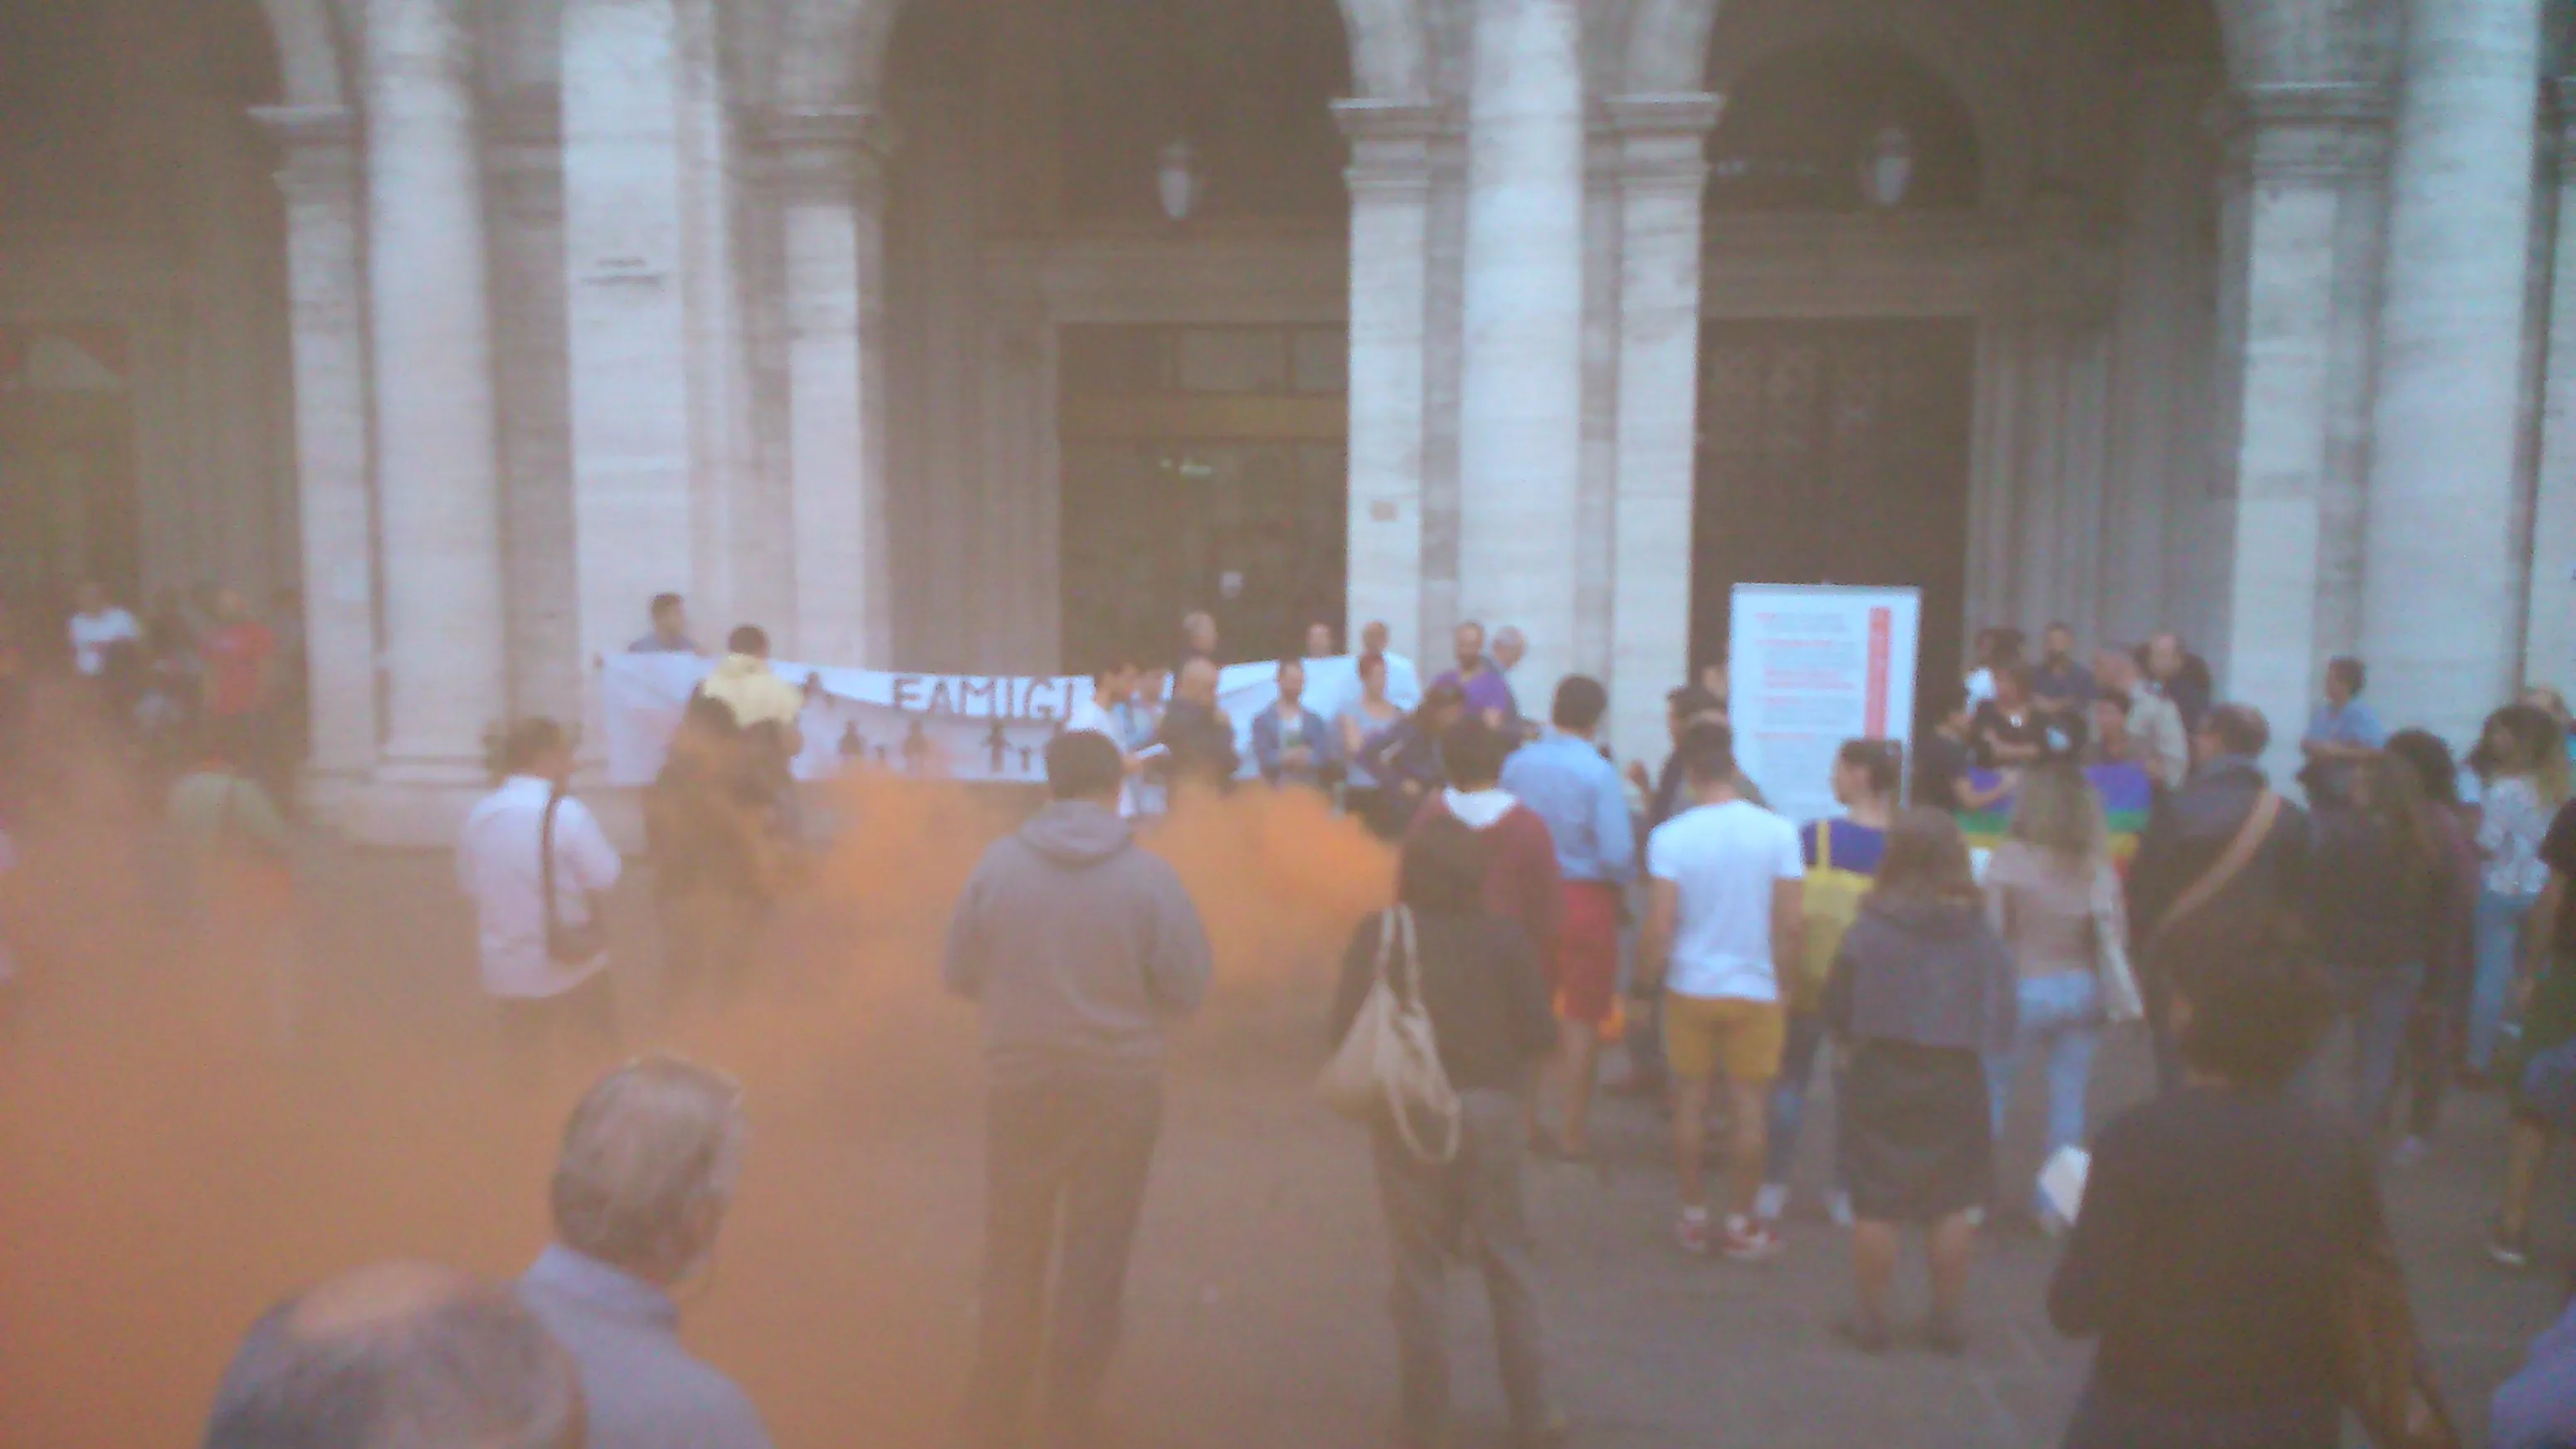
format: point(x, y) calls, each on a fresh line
point(394, 1356)
point(640, 1193)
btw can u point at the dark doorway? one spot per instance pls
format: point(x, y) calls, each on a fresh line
point(1204, 468)
point(1834, 452)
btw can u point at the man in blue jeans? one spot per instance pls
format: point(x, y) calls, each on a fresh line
point(1078, 945)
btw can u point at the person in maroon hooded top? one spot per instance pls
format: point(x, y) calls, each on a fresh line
point(1521, 882)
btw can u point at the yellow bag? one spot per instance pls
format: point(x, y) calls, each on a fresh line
point(1832, 902)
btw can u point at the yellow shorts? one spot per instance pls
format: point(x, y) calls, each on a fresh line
point(1703, 1034)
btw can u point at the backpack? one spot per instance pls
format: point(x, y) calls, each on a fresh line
point(1832, 902)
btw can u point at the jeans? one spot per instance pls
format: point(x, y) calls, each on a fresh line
point(1065, 1165)
point(2498, 942)
point(2385, 1002)
point(1429, 1209)
point(2061, 1015)
point(1789, 1093)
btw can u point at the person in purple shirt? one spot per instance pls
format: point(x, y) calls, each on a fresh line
point(1569, 784)
point(1489, 694)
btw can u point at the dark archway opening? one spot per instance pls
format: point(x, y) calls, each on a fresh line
point(1843, 126)
point(1148, 160)
point(133, 192)
point(1837, 451)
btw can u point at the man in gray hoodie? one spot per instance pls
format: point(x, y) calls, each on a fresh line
point(1078, 945)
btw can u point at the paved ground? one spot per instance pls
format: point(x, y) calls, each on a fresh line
point(842, 1298)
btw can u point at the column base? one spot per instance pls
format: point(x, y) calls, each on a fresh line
point(416, 807)
point(403, 807)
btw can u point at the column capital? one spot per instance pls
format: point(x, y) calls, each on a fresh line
point(320, 150)
point(1662, 139)
point(2322, 132)
point(1671, 115)
point(1391, 144)
point(830, 153)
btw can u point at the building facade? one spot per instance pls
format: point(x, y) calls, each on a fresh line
point(988, 335)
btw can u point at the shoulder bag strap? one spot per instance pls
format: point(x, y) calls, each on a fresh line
point(2223, 872)
point(1824, 845)
point(546, 858)
point(1386, 929)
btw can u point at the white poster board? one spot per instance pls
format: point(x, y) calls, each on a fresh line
point(1813, 665)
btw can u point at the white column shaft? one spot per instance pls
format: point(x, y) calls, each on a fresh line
point(2549, 655)
point(2441, 600)
point(436, 467)
point(830, 236)
point(1664, 174)
point(1390, 182)
point(634, 426)
point(1521, 419)
point(327, 291)
point(2285, 214)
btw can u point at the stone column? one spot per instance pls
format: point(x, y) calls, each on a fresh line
point(327, 292)
point(2442, 600)
point(1663, 144)
point(1390, 183)
point(637, 423)
point(830, 183)
point(1521, 419)
point(437, 476)
point(2549, 654)
point(2290, 148)
point(2156, 341)
point(532, 416)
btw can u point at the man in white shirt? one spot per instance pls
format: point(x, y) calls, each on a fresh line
point(545, 971)
point(1723, 910)
point(1098, 713)
point(98, 626)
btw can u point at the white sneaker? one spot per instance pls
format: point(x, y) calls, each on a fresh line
point(1771, 1201)
point(1838, 1207)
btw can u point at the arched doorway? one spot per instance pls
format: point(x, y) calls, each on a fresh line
point(1116, 261)
point(145, 409)
point(1836, 448)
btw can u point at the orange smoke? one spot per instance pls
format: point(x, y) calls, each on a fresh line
point(169, 1166)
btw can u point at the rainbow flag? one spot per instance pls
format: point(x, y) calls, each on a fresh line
point(2127, 795)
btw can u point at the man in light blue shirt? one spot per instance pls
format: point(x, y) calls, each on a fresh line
point(2342, 733)
point(640, 1193)
point(1566, 781)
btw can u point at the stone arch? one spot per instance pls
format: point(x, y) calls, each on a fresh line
point(308, 52)
point(1977, 72)
point(2267, 41)
point(835, 49)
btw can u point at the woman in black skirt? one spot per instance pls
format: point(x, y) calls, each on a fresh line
point(1922, 992)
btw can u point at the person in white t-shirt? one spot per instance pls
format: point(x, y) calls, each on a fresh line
point(1724, 909)
point(548, 984)
point(1098, 712)
point(98, 626)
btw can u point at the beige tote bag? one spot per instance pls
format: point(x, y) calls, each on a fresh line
point(1390, 1061)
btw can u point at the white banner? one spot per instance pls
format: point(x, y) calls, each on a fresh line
point(1810, 666)
point(949, 726)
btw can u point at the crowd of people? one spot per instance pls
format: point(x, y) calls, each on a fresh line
point(1980, 903)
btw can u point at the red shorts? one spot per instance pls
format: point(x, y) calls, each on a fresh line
point(1587, 953)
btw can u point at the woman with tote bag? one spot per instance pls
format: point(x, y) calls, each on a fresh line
point(1475, 977)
